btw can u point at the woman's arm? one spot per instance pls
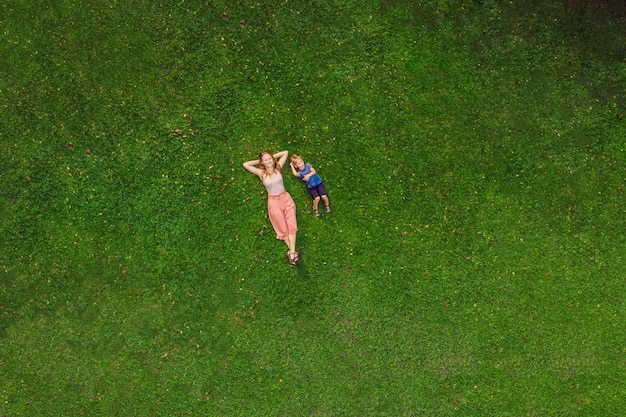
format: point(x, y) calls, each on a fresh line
point(250, 166)
point(282, 157)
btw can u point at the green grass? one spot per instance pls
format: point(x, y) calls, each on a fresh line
point(473, 263)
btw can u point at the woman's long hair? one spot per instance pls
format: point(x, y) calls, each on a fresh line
point(262, 167)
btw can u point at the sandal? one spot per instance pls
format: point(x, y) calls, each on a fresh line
point(316, 212)
point(291, 259)
point(327, 209)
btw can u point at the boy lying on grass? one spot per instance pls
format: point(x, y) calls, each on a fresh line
point(313, 181)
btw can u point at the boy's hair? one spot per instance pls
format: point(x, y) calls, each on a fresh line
point(295, 157)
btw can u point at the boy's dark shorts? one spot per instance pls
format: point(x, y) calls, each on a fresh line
point(317, 191)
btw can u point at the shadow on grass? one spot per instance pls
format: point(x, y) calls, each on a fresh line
point(302, 269)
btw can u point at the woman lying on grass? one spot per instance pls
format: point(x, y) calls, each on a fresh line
point(280, 206)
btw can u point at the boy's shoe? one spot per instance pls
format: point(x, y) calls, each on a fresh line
point(327, 209)
point(316, 212)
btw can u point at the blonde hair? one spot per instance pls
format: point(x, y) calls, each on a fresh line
point(295, 157)
point(262, 167)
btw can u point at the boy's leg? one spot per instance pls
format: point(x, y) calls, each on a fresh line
point(314, 191)
point(316, 201)
point(321, 190)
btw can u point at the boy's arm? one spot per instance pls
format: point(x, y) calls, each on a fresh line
point(310, 174)
point(294, 171)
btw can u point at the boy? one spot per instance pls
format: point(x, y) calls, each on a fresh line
point(313, 182)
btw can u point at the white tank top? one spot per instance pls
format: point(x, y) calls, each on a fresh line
point(274, 184)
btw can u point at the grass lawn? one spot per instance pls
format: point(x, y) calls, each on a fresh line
point(473, 263)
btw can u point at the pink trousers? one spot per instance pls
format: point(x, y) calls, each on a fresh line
point(282, 211)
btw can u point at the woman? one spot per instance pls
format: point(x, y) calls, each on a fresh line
point(280, 205)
